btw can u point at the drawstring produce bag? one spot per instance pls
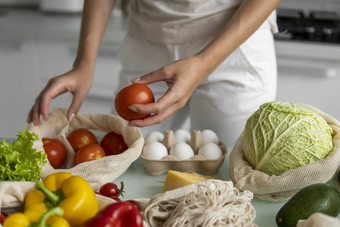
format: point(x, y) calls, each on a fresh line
point(283, 186)
point(319, 220)
point(208, 203)
point(99, 171)
point(96, 172)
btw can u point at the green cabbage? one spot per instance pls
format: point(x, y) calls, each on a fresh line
point(280, 136)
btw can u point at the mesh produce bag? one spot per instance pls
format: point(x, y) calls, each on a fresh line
point(96, 172)
point(284, 186)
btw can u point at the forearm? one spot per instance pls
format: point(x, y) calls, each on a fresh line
point(246, 20)
point(96, 15)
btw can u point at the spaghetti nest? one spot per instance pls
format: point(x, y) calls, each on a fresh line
point(209, 203)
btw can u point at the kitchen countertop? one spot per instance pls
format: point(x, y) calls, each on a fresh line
point(138, 183)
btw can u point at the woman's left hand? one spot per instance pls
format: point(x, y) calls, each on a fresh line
point(182, 78)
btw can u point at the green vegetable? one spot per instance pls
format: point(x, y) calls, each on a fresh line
point(19, 161)
point(280, 136)
point(322, 198)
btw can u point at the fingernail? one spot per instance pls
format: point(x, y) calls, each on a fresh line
point(35, 121)
point(131, 124)
point(134, 109)
point(136, 80)
point(71, 117)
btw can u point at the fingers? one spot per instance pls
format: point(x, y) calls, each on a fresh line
point(55, 87)
point(162, 74)
point(75, 105)
point(40, 106)
point(161, 110)
point(155, 118)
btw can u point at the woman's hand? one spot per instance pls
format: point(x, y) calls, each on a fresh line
point(182, 78)
point(77, 81)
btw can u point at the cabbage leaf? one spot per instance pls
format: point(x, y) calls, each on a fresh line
point(281, 135)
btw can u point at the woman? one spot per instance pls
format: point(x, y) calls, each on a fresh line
point(216, 57)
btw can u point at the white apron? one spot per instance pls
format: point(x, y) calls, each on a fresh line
point(161, 32)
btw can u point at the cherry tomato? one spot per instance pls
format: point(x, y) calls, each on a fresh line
point(110, 189)
point(81, 137)
point(88, 153)
point(133, 94)
point(56, 152)
point(113, 143)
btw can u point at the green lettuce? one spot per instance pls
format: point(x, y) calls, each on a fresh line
point(281, 136)
point(19, 161)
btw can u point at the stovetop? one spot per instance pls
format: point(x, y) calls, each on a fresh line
point(315, 26)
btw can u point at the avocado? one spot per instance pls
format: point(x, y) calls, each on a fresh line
point(323, 198)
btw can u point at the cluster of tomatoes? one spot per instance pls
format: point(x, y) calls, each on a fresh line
point(85, 146)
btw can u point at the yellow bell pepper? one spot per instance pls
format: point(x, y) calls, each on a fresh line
point(49, 219)
point(72, 193)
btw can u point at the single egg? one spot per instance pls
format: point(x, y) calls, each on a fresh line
point(155, 150)
point(210, 151)
point(154, 137)
point(182, 151)
point(209, 136)
point(182, 136)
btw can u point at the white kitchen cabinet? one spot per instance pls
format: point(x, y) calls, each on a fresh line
point(309, 73)
point(18, 83)
point(35, 47)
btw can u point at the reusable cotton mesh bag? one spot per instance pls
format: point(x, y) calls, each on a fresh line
point(96, 172)
point(284, 186)
point(205, 204)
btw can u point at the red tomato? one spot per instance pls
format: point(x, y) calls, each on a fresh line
point(56, 152)
point(81, 137)
point(133, 94)
point(88, 153)
point(113, 143)
point(109, 189)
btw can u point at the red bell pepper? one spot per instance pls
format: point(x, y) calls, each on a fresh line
point(3, 216)
point(120, 214)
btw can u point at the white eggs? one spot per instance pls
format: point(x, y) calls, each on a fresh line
point(182, 151)
point(209, 136)
point(155, 150)
point(210, 151)
point(182, 136)
point(154, 137)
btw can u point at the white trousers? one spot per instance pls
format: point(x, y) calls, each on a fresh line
point(225, 99)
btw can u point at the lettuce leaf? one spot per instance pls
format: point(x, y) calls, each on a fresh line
point(19, 161)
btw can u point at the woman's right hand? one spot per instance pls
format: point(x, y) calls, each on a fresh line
point(78, 82)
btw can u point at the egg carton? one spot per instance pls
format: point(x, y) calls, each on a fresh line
point(198, 163)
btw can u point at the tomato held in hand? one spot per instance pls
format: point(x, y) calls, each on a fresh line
point(81, 137)
point(113, 143)
point(56, 152)
point(88, 153)
point(133, 94)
